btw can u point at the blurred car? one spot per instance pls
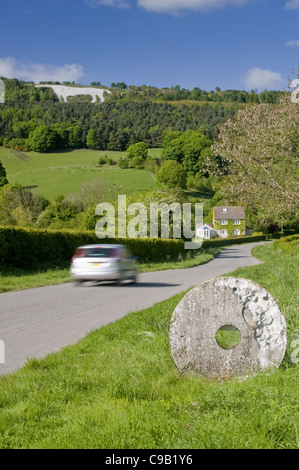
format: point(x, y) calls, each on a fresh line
point(103, 263)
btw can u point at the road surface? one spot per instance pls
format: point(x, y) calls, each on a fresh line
point(38, 321)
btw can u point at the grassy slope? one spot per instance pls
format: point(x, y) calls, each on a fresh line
point(64, 172)
point(118, 388)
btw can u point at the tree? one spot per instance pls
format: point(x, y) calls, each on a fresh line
point(43, 139)
point(194, 145)
point(172, 175)
point(261, 146)
point(138, 150)
point(186, 148)
point(3, 179)
point(91, 139)
point(75, 136)
point(172, 146)
point(19, 206)
point(59, 212)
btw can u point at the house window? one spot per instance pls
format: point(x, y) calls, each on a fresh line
point(237, 221)
point(223, 231)
point(223, 222)
point(236, 231)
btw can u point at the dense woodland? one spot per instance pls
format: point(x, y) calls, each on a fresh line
point(32, 118)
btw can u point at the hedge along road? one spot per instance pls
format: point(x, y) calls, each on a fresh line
point(39, 321)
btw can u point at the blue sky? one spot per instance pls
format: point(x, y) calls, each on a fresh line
point(231, 44)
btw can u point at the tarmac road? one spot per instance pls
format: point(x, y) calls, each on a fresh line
point(39, 321)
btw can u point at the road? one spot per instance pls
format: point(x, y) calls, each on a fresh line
point(38, 321)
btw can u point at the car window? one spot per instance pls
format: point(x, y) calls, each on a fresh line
point(101, 253)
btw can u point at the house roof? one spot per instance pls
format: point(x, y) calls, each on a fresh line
point(229, 212)
point(204, 226)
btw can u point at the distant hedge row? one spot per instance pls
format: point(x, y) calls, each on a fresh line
point(286, 243)
point(20, 247)
point(218, 242)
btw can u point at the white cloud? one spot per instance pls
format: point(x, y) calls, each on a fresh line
point(108, 3)
point(292, 4)
point(175, 6)
point(294, 42)
point(260, 79)
point(12, 68)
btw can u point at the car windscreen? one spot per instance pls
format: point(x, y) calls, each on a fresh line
point(100, 252)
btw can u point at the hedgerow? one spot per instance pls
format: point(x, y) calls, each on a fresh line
point(21, 247)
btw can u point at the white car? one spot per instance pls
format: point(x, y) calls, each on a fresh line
point(103, 263)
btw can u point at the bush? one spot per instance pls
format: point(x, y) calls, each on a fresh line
point(137, 163)
point(123, 162)
point(102, 160)
point(19, 144)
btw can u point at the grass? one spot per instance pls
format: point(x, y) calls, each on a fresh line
point(204, 256)
point(12, 279)
point(64, 172)
point(118, 388)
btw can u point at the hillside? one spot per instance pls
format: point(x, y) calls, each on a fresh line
point(129, 114)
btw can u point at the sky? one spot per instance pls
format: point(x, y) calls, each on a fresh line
point(230, 44)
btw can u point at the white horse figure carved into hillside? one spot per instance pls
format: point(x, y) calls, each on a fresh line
point(63, 91)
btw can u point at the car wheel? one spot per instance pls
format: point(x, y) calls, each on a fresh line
point(120, 279)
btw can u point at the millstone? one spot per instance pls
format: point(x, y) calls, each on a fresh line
point(227, 304)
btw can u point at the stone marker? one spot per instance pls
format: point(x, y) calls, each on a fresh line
point(227, 303)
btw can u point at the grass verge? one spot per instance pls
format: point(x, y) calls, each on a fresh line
point(12, 279)
point(118, 388)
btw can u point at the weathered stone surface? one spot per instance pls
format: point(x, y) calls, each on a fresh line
point(229, 302)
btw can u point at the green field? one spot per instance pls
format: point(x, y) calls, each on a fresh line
point(118, 388)
point(57, 173)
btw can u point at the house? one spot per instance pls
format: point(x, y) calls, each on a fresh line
point(206, 231)
point(229, 220)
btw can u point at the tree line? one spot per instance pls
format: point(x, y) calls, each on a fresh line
point(18, 89)
point(176, 93)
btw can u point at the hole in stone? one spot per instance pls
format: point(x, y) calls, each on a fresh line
point(228, 337)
